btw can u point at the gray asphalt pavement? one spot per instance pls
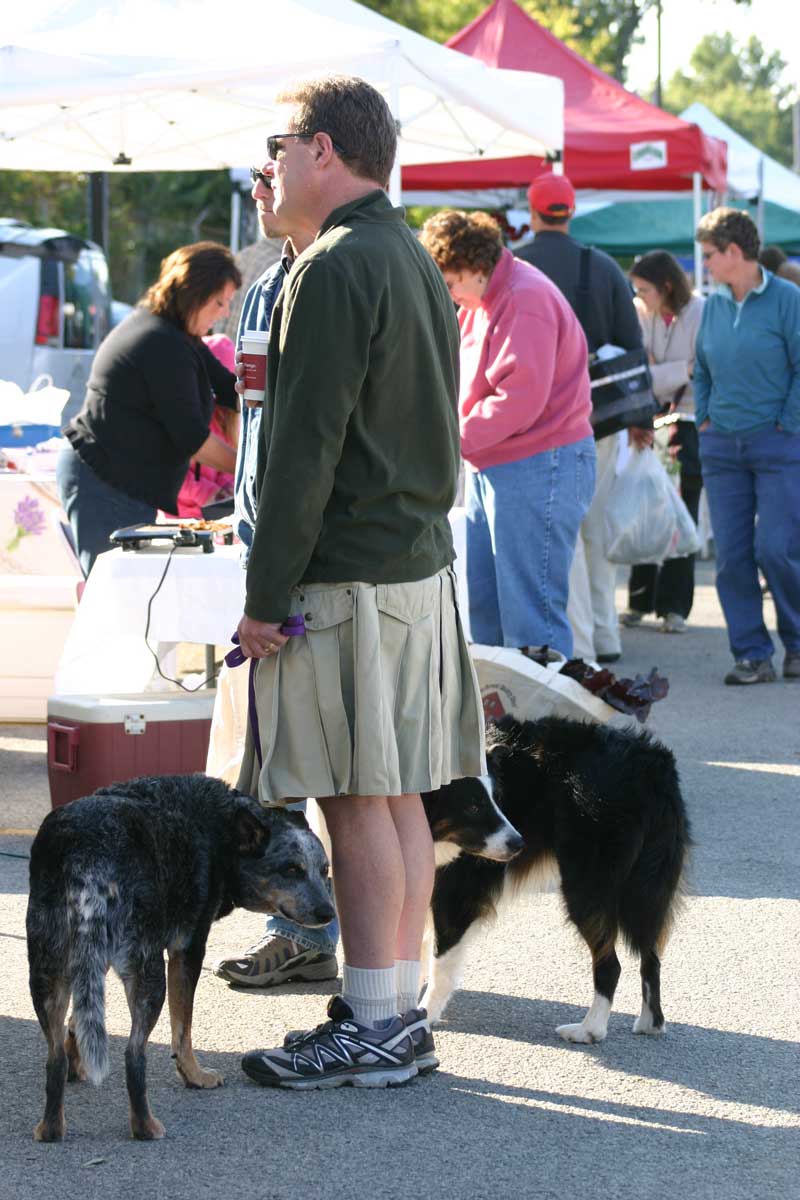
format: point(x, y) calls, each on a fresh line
point(711, 1110)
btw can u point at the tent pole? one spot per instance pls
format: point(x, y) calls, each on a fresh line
point(395, 183)
point(760, 202)
point(98, 208)
point(236, 219)
point(697, 197)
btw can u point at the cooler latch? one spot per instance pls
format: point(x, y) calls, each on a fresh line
point(134, 723)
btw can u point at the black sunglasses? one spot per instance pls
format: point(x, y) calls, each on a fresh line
point(259, 177)
point(274, 143)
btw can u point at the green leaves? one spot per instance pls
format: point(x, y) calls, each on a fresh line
point(742, 84)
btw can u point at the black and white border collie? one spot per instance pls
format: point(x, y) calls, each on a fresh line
point(600, 812)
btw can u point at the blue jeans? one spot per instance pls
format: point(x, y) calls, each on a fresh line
point(753, 486)
point(324, 940)
point(522, 525)
point(94, 508)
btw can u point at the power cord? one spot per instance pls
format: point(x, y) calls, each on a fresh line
point(169, 678)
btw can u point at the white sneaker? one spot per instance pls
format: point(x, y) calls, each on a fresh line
point(674, 623)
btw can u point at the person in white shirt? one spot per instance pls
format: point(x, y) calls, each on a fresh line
point(670, 317)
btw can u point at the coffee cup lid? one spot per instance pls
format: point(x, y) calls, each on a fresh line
point(255, 335)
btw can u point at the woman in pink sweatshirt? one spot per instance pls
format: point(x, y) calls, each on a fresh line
point(524, 407)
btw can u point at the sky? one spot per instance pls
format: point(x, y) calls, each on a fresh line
point(776, 23)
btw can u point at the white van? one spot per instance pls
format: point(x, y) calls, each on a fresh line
point(55, 307)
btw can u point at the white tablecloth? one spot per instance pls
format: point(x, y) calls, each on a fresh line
point(201, 600)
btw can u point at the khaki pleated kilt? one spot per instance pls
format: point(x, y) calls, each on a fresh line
point(379, 698)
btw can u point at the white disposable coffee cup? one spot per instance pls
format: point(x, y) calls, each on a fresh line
point(254, 361)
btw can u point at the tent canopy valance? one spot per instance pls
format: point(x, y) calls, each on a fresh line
point(630, 228)
point(612, 138)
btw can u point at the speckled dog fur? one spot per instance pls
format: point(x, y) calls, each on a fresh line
point(118, 877)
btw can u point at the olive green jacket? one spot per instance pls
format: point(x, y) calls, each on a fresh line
point(358, 462)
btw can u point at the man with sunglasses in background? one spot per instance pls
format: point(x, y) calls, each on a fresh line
point(357, 470)
point(286, 952)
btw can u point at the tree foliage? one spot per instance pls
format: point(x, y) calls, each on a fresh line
point(150, 214)
point(601, 30)
point(742, 84)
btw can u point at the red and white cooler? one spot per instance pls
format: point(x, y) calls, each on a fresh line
point(93, 741)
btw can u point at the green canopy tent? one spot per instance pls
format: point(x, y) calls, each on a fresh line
point(631, 227)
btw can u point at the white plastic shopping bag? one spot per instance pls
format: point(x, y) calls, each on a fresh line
point(641, 522)
point(41, 405)
point(687, 535)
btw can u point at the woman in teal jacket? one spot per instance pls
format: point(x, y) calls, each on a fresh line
point(747, 402)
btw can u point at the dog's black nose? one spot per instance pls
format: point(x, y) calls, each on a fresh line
point(324, 915)
point(515, 844)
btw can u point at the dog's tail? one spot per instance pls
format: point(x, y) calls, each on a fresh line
point(87, 907)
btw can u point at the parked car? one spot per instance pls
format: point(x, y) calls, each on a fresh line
point(55, 307)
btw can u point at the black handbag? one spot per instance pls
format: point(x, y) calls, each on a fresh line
point(622, 393)
point(622, 388)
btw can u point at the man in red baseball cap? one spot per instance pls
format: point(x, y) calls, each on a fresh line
point(551, 197)
point(602, 300)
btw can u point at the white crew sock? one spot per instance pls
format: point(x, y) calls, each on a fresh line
point(407, 982)
point(372, 994)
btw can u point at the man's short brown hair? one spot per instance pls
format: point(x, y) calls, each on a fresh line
point(723, 227)
point(461, 241)
point(354, 115)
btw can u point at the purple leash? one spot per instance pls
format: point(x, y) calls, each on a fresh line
point(292, 627)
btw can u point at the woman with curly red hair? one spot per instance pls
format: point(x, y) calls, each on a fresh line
point(524, 409)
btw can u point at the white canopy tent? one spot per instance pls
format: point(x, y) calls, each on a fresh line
point(70, 101)
point(750, 172)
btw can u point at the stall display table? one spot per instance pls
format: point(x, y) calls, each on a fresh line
point(201, 600)
point(39, 578)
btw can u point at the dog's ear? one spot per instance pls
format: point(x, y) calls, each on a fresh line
point(497, 756)
point(252, 834)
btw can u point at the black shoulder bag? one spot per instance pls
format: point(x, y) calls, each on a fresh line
point(622, 390)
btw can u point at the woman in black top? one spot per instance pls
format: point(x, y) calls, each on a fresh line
point(149, 403)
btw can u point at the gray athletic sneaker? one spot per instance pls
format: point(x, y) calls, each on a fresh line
point(275, 960)
point(339, 1052)
point(749, 671)
point(417, 1024)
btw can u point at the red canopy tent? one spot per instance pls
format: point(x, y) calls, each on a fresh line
point(612, 139)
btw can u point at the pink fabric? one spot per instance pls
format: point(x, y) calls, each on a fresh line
point(204, 484)
point(524, 375)
point(222, 348)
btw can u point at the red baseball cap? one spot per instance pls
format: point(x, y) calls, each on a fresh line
point(552, 196)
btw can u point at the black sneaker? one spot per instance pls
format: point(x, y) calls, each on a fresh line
point(417, 1024)
point(341, 1051)
point(749, 671)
